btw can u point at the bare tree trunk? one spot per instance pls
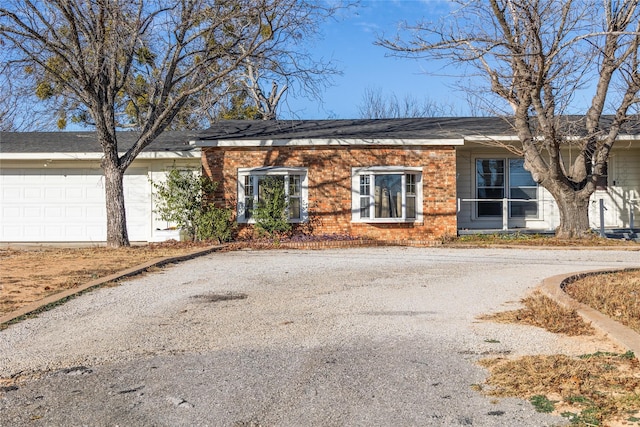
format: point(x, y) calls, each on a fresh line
point(573, 207)
point(116, 216)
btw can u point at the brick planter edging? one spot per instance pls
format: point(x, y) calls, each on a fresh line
point(329, 244)
point(52, 299)
point(553, 287)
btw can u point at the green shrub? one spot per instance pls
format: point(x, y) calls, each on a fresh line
point(270, 213)
point(215, 224)
point(181, 199)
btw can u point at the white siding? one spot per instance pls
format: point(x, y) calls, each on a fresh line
point(624, 183)
point(620, 199)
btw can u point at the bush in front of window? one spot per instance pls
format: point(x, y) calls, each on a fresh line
point(270, 213)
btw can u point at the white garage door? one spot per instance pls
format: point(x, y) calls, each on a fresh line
point(67, 205)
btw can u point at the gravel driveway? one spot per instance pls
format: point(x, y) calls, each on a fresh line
point(349, 337)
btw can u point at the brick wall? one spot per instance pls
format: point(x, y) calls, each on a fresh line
point(329, 175)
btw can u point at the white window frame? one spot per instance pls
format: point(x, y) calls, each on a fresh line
point(255, 173)
point(372, 172)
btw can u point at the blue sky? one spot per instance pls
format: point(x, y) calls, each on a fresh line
point(349, 42)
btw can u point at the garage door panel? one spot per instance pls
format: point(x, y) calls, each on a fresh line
point(33, 194)
point(10, 211)
point(32, 232)
point(55, 195)
point(53, 232)
point(74, 193)
point(11, 233)
point(31, 212)
point(68, 205)
point(74, 212)
point(10, 193)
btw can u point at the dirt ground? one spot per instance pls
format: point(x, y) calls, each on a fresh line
point(31, 275)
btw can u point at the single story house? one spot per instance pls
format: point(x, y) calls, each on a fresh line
point(402, 179)
point(412, 180)
point(52, 186)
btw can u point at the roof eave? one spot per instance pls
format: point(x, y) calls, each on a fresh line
point(98, 156)
point(324, 142)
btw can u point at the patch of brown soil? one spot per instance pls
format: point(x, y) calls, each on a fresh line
point(27, 276)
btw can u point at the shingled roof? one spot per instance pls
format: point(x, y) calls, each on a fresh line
point(453, 128)
point(87, 142)
point(418, 128)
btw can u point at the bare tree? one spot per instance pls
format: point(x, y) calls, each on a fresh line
point(535, 55)
point(19, 110)
point(267, 104)
point(139, 63)
point(8, 104)
point(376, 105)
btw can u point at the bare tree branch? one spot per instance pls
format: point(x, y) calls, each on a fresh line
point(142, 63)
point(535, 54)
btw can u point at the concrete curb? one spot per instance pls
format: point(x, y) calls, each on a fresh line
point(553, 287)
point(52, 299)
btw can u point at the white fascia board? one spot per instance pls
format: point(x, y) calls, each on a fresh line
point(195, 154)
point(324, 142)
point(628, 138)
point(514, 138)
point(485, 138)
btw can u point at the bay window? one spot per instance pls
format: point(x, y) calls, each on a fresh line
point(256, 184)
point(386, 194)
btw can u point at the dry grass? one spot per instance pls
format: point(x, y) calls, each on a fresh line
point(31, 275)
point(527, 239)
point(600, 389)
point(593, 390)
point(542, 312)
point(616, 295)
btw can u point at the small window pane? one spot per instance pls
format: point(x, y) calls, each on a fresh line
point(524, 209)
point(518, 175)
point(365, 211)
point(490, 193)
point(294, 185)
point(490, 173)
point(411, 184)
point(294, 207)
point(365, 189)
point(411, 207)
point(248, 196)
point(525, 193)
point(489, 208)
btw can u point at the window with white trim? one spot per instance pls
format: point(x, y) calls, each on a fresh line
point(497, 179)
point(386, 194)
point(252, 183)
